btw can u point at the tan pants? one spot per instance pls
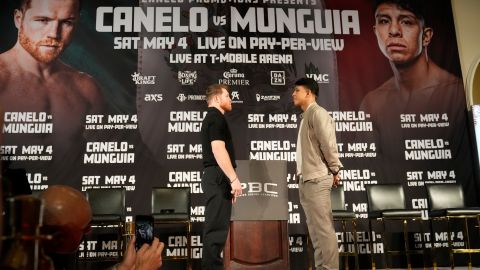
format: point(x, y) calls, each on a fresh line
point(315, 200)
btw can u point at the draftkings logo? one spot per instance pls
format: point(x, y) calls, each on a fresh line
point(233, 77)
point(319, 78)
point(139, 79)
point(277, 77)
point(187, 77)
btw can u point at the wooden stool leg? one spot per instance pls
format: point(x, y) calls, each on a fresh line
point(371, 244)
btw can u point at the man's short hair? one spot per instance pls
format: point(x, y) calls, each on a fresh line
point(308, 83)
point(23, 5)
point(414, 6)
point(215, 89)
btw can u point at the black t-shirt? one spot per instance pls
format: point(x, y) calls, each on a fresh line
point(215, 127)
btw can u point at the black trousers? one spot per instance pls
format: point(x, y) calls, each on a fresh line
point(218, 208)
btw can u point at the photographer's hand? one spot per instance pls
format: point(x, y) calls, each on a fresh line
point(128, 262)
point(149, 257)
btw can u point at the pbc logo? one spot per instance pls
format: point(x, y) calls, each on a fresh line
point(259, 189)
point(187, 77)
point(319, 78)
point(277, 77)
point(139, 79)
point(153, 97)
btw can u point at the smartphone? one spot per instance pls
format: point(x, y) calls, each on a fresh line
point(143, 230)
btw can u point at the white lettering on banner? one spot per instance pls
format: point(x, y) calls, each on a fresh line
point(195, 188)
point(431, 117)
point(115, 179)
point(414, 175)
point(119, 158)
point(108, 147)
point(184, 127)
point(32, 149)
point(118, 118)
point(288, 156)
point(197, 210)
point(428, 154)
point(27, 128)
point(357, 147)
point(282, 118)
point(109, 245)
point(189, 176)
point(319, 78)
point(304, 21)
point(8, 149)
point(89, 180)
point(348, 115)
point(351, 121)
point(269, 20)
point(353, 126)
point(435, 153)
point(437, 174)
point(429, 120)
point(187, 116)
point(255, 117)
point(359, 207)
point(356, 174)
point(405, 118)
point(293, 215)
point(257, 149)
point(182, 152)
point(210, 43)
point(176, 246)
point(108, 152)
point(175, 148)
point(422, 204)
point(151, 19)
point(294, 218)
point(179, 117)
point(36, 178)
point(195, 148)
point(270, 145)
point(353, 185)
point(272, 120)
point(93, 118)
point(26, 117)
point(115, 122)
point(425, 144)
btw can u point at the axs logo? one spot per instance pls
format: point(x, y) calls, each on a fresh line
point(153, 97)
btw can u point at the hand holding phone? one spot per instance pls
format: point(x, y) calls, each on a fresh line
point(143, 230)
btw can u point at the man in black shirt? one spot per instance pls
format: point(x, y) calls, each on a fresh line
point(220, 183)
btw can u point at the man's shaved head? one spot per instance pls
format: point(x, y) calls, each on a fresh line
point(67, 215)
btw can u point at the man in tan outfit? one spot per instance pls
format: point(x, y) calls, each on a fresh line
point(317, 168)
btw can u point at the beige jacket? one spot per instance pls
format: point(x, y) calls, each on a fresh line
point(318, 144)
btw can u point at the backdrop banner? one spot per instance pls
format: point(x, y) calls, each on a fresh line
point(125, 109)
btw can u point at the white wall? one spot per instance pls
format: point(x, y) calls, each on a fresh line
point(466, 14)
